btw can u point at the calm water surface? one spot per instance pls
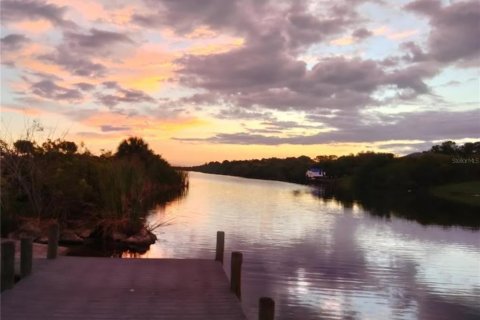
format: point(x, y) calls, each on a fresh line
point(317, 259)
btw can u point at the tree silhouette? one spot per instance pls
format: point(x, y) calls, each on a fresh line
point(134, 147)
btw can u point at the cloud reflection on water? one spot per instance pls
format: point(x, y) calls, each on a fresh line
point(319, 259)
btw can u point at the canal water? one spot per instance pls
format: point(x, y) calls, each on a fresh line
point(319, 259)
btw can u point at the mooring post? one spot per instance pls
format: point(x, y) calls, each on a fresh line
point(26, 256)
point(236, 274)
point(8, 264)
point(53, 237)
point(266, 309)
point(220, 246)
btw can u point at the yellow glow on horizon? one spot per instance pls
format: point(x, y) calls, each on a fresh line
point(206, 152)
point(159, 133)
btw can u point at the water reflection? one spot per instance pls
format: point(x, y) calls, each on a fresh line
point(422, 208)
point(321, 257)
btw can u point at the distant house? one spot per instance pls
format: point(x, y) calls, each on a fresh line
point(315, 173)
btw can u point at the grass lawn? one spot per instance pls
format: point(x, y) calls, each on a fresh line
point(465, 192)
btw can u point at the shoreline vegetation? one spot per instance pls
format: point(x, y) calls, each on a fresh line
point(466, 192)
point(447, 174)
point(95, 199)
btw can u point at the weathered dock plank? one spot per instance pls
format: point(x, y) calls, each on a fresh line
point(108, 288)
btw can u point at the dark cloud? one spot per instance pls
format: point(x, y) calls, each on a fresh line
point(288, 125)
point(361, 33)
point(336, 75)
point(85, 86)
point(412, 77)
point(266, 71)
point(78, 51)
point(43, 76)
point(148, 20)
point(257, 66)
point(455, 28)
point(123, 95)
point(15, 10)
point(303, 28)
point(294, 20)
point(413, 52)
point(48, 89)
point(241, 113)
point(79, 65)
point(13, 42)
point(428, 7)
point(95, 41)
point(249, 77)
point(111, 85)
point(455, 32)
point(406, 126)
point(185, 15)
point(110, 128)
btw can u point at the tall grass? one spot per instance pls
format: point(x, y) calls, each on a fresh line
point(49, 181)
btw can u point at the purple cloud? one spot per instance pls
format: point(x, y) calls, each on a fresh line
point(454, 29)
point(13, 42)
point(50, 90)
point(406, 126)
point(16, 10)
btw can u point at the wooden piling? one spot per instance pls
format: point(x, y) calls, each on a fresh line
point(266, 309)
point(53, 237)
point(236, 273)
point(26, 256)
point(220, 246)
point(8, 264)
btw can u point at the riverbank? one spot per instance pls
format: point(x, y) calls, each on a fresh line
point(93, 199)
point(466, 193)
point(118, 235)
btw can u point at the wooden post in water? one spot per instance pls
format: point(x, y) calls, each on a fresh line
point(53, 237)
point(236, 273)
point(26, 256)
point(266, 309)
point(8, 264)
point(220, 246)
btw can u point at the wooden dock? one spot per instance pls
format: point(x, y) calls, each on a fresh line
point(69, 288)
point(111, 288)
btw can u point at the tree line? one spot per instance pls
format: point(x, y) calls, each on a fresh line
point(57, 180)
point(370, 171)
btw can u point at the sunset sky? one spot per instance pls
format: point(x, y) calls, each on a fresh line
point(205, 80)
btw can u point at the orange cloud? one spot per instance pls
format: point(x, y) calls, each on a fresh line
point(380, 30)
point(402, 34)
point(92, 10)
point(32, 27)
point(147, 69)
point(202, 32)
point(216, 48)
point(344, 41)
point(394, 35)
point(141, 124)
